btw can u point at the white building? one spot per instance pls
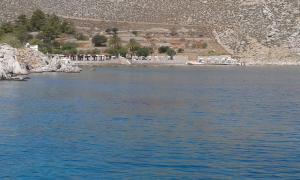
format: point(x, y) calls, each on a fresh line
point(33, 47)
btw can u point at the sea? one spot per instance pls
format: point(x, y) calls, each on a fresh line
point(142, 123)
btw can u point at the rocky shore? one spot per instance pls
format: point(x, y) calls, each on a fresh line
point(15, 64)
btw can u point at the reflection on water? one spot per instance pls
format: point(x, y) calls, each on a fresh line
point(149, 123)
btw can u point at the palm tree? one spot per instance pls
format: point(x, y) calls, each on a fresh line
point(133, 46)
point(115, 42)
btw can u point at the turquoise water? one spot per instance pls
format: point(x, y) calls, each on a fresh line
point(152, 123)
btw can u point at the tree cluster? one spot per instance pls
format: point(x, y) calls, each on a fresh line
point(132, 48)
point(169, 51)
point(45, 30)
point(99, 40)
point(39, 29)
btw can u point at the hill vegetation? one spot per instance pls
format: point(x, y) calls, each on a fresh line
point(39, 29)
point(46, 31)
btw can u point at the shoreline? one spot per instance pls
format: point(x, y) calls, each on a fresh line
point(96, 64)
point(178, 62)
point(186, 66)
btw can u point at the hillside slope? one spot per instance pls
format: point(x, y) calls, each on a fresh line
point(268, 29)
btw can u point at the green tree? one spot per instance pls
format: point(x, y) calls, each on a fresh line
point(38, 20)
point(52, 28)
point(23, 22)
point(133, 46)
point(163, 49)
point(99, 40)
point(22, 28)
point(69, 48)
point(115, 42)
point(113, 52)
point(108, 31)
point(67, 27)
point(115, 30)
point(135, 33)
point(144, 51)
point(122, 51)
point(180, 50)
point(171, 53)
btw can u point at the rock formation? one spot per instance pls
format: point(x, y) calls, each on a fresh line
point(14, 63)
point(37, 62)
point(10, 68)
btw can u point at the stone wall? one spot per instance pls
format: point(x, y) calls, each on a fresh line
point(236, 24)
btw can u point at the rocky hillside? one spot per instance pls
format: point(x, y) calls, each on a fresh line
point(262, 28)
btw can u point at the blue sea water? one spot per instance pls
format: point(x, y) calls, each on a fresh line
point(152, 123)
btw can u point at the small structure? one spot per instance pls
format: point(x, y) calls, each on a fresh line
point(33, 47)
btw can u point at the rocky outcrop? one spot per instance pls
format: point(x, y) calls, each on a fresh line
point(37, 62)
point(10, 68)
point(15, 63)
point(57, 64)
point(31, 59)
